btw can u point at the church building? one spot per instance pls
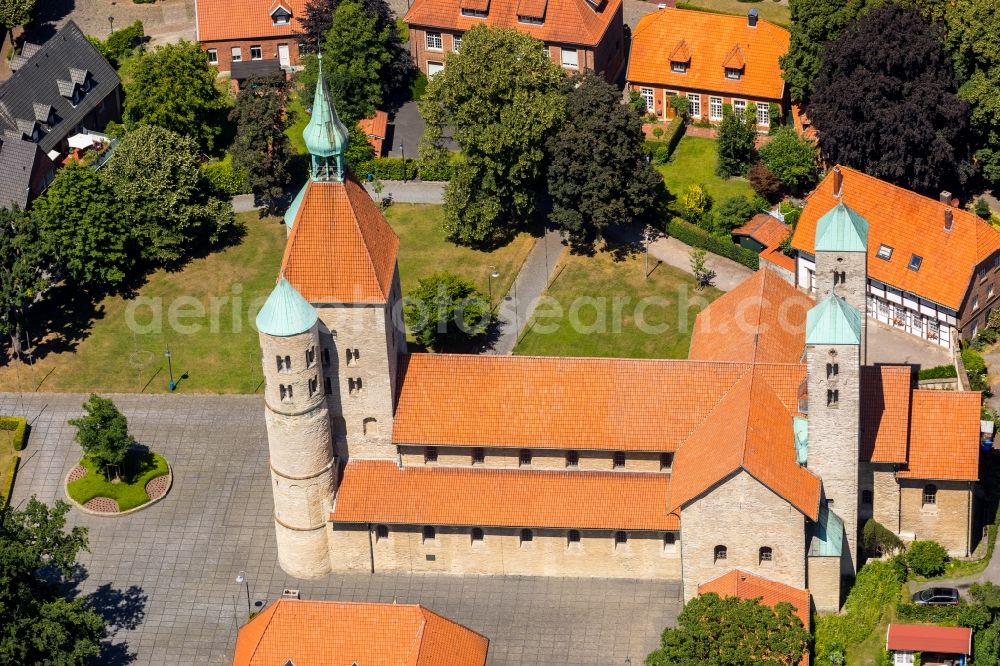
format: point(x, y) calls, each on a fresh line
point(763, 452)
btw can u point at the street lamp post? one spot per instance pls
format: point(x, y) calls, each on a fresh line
point(241, 579)
point(494, 274)
point(111, 20)
point(402, 149)
point(170, 368)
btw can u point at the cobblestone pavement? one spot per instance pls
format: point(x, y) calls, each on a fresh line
point(887, 345)
point(164, 21)
point(166, 574)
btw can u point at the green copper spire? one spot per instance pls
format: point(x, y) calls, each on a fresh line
point(325, 135)
point(285, 312)
point(833, 321)
point(842, 229)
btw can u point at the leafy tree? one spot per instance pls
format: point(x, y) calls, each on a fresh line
point(878, 540)
point(15, 13)
point(502, 98)
point(713, 630)
point(174, 87)
point(120, 44)
point(261, 147)
point(358, 150)
point(792, 159)
point(80, 221)
point(316, 19)
point(736, 211)
point(598, 176)
point(986, 646)
point(763, 182)
point(982, 209)
point(702, 274)
point(23, 270)
point(973, 40)
point(446, 311)
point(164, 194)
point(892, 111)
point(103, 432)
point(926, 558)
point(41, 625)
point(815, 23)
point(737, 133)
point(695, 202)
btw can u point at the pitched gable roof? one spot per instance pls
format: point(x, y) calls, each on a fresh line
point(943, 448)
point(713, 40)
point(328, 633)
point(19, 162)
point(765, 229)
point(745, 585)
point(341, 249)
point(225, 20)
point(885, 413)
point(49, 78)
point(910, 224)
point(566, 21)
point(379, 491)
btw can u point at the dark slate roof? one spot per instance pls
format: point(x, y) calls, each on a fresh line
point(53, 70)
point(247, 68)
point(17, 160)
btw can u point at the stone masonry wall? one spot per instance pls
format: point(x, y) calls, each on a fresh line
point(743, 515)
point(854, 290)
point(501, 552)
point(946, 521)
point(824, 583)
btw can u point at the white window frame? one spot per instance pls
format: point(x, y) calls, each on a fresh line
point(902, 658)
point(260, 52)
point(474, 13)
point(548, 54)
point(737, 74)
point(213, 56)
point(456, 43)
point(884, 252)
point(649, 98)
point(763, 114)
point(436, 63)
point(678, 67)
point(575, 64)
point(236, 54)
point(714, 108)
point(739, 107)
point(694, 105)
point(433, 41)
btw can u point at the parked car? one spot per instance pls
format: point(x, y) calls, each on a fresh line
point(936, 596)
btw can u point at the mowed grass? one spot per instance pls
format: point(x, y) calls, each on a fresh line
point(693, 163)
point(424, 250)
point(130, 491)
point(202, 313)
point(596, 310)
point(768, 9)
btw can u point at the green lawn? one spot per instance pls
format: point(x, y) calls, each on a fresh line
point(769, 9)
point(600, 284)
point(211, 300)
point(130, 491)
point(424, 250)
point(297, 121)
point(693, 163)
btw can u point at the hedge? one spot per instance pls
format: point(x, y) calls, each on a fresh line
point(694, 236)
point(20, 427)
point(225, 178)
point(935, 614)
point(662, 149)
point(388, 168)
point(938, 372)
point(8, 482)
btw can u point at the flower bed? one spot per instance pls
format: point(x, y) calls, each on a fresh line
point(141, 467)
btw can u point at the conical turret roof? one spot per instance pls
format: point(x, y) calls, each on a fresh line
point(325, 135)
point(842, 229)
point(833, 321)
point(285, 313)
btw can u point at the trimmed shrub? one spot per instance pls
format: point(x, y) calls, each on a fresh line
point(878, 540)
point(8, 482)
point(917, 613)
point(926, 558)
point(389, 168)
point(226, 179)
point(694, 236)
point(19, 426)
point(975, 368)
point(938, 372)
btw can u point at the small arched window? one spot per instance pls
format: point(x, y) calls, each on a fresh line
point(866, 497)
point(527, 536)
point(370, 427)
point(381, 532)
point(930, 494)
point(477, 535)
point(429, 533)
point(720, 553)
point(765, 554)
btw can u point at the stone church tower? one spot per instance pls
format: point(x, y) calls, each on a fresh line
point(835, 334)
point(303, 468)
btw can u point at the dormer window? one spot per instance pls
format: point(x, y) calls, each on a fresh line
point(475, 8)
point(475, 13)
point(531, 20)
point(733, 73)
point(915, 262)
point(281, 16)
point(680, 58)
point(678, 67)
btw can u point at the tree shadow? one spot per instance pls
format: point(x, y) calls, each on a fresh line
point(628, 240)
point(122, 610)
point(47, 14)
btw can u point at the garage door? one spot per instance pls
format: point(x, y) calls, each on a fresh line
point(434, 67)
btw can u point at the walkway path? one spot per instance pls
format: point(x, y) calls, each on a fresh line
point(411, 191)
point(519, 303)
point(728, 273)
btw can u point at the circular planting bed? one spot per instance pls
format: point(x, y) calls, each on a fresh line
point(143, 479)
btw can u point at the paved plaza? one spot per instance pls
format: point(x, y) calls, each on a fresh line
point(166, 574)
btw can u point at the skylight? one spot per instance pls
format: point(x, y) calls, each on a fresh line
point(884, 252)
point(915, 262)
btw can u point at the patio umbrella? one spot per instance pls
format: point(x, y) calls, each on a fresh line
point(81, 141)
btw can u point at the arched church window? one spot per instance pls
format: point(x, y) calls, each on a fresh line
point(765, 554)
point(721, 553)
point(930, 494)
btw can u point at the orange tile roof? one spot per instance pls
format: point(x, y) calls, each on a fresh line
point(778, 258)
point(765, 229)
point(910, 224)
point(375, 129)
point(379, 491)
point(532, 8)
point(735, 59)
point(341, 249)
point(928, 638)
point(681, 52)
point(566, 21)
point(885, 413)
point(751, 430)
point(944, 436)
point(711, 39)
point(560, 402)
point(746, 585)
point(763, 320)
point(224, 20)
point(329, 633)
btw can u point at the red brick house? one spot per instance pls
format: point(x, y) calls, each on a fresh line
point(712, 59)
point(249, 31)
point(578, 34)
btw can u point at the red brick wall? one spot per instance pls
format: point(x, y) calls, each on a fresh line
point(269, 50)
point(664, 113)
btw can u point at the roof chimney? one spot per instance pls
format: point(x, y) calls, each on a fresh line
point(949, 219)
point(838, 182)
point(945, 197)
point(752, 18)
